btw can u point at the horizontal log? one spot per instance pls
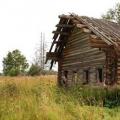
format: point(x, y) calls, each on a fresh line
point(95, 45)
point(83, 54)
point(118, 78)
point(81, 50)
point(118, 68)
point(118, 64)
point(76, 47)
point(118, 72)
point(86, 62)
point(81, 25)
point(92, 36)
point(97, 41)
point(79, 43)
point(69, 51)
point(82, 58)
point(118, 59)
point(77, 33)
point(83, 66)
point(78, 39)
point(86, 30)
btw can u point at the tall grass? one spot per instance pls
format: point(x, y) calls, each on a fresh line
point(39, 98)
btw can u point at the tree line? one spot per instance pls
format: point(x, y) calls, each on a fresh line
point(15, 63)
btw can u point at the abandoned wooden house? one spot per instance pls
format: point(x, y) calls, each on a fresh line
point(87, 51)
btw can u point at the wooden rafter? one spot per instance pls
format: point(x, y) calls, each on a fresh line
point(60, 32)
point(81, 25)
point(65, 16)
point(65, 25)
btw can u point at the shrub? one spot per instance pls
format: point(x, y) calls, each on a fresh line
point(34, 70)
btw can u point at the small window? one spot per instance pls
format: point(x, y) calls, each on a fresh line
point(100, 74)
point(86, 76)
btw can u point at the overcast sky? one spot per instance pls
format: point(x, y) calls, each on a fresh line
point(22, 21)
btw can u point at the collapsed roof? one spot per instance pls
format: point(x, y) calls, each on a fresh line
point(107, 31)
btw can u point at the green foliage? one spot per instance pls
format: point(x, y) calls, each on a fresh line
point(113, 14)
point(34, 70)
point(14, 63)
point(112, 98)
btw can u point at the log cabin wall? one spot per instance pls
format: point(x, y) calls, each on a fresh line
point(80, 60)
point(87, 50)
point(118, 70)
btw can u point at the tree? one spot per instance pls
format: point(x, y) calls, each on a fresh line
point(14, 63)
point(34, 69)
point(113, 14)
point(40, 53)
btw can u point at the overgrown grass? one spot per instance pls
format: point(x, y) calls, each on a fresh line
point(39, 98)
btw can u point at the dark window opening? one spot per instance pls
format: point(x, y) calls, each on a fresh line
point(87, 74)
point(100, 74)
point(66, 74)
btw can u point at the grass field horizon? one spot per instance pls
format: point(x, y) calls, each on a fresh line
point(39, 98)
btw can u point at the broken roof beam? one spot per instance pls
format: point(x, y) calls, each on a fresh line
point(65, 16)
point(62, 21)
point(60, 32)
point(81, 26)
point(86, 30)
point(52, 56)
point(65, 25)
point(52, 61)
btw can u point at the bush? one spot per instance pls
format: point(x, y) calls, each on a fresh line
point(112, 98)
point(13, 72)
point(34, 70)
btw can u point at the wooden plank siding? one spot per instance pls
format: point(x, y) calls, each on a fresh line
point(78, 55)
point(78, 51)
point(83, 45)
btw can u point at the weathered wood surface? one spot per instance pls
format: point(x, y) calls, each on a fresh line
point(92, 43)
point(79, 53)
